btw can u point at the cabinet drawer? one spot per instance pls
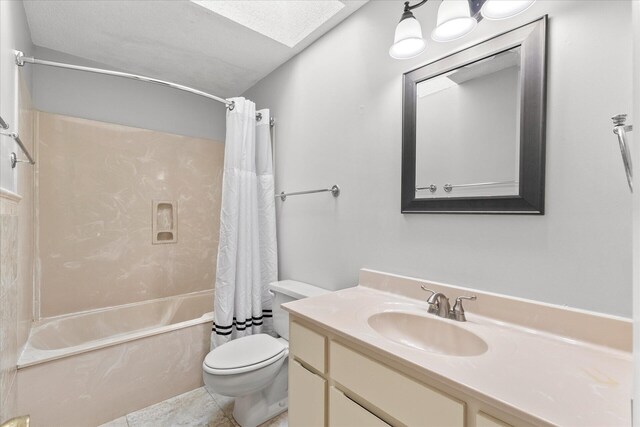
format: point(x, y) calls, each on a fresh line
point(344, 412)
point(484, 420)
point(307, 346)
point(306, 397)
point(410, 402)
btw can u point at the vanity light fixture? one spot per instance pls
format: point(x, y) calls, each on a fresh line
point(500, 9)
point(408, 41)
point(456, 19)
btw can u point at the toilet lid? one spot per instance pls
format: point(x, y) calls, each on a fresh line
point(245, 351)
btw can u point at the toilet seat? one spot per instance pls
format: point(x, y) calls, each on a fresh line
point(244, 354)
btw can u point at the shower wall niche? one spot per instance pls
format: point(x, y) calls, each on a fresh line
point(165, 222)
point(98, 244)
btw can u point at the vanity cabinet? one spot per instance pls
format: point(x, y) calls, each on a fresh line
point(306, 396)
point(308, 346)
point(405, 399)
point(484, 420)
point(344, 412)
point(336, 383)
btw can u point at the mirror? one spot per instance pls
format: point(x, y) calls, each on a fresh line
point(474, 156)
point(473, 128)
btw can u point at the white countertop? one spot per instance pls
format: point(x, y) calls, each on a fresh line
point(556, 379)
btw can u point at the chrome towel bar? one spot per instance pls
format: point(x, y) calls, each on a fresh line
point(431, 188)
point(448, 187)
point(335, 190)
point(13, 135)
point(620, 129)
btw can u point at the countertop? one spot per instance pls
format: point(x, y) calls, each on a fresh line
point(556, 379)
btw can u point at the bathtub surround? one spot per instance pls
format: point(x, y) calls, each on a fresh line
point(26, 216)
point(130, 318)
point(97, 182)
point(339, 109)
point(16, 261)
point(15, 202)
point(247, 253)
point(8, 301)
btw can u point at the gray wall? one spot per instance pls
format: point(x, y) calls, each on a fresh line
point(14, 35)
point(338, 106)
point(636, 210)
point(123, 101)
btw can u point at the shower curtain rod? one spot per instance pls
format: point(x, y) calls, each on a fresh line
point(21, 60)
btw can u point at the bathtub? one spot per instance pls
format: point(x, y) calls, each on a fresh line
point(67, 335)
point(91, 367)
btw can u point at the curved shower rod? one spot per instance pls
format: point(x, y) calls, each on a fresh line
point(21, 60)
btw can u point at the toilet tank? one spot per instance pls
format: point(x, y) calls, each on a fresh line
point(285, 291)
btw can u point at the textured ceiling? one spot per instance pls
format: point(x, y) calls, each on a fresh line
point(174, 40)
point(286, 21)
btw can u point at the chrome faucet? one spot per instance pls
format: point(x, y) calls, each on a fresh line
point(457, 313)
point(439, 305)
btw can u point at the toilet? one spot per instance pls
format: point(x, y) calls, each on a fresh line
point(253, 369)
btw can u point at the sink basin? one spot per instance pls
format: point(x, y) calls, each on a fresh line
point(427, 333)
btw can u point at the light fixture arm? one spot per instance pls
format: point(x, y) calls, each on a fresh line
point(474, 5)
point(408, 8)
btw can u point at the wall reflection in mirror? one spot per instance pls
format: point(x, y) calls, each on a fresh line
point(470, 117)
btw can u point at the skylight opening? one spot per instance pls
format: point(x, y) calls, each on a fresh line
point(287, 22)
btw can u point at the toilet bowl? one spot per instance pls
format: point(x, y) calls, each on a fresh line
point(253, 369)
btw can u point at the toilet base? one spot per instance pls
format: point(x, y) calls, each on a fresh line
point(254, 409)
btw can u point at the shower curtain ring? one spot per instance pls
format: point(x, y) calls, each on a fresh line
point(231, 106)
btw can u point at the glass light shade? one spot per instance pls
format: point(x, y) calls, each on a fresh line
point(454, 21)
point(503, 9)
point(408, 41)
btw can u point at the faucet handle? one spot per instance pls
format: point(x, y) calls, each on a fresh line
point(424, 288)
point(457, 313)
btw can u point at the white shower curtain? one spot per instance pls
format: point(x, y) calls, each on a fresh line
point(247, 251)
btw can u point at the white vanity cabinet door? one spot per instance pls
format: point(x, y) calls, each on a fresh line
point(307, 345)
point(484, 420)
point(344, 412)
point(410, 402)
point(306, 397)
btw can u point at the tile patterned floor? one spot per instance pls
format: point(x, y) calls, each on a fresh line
point(191, 409)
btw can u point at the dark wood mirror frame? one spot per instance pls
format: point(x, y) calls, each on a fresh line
point(530, 200)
